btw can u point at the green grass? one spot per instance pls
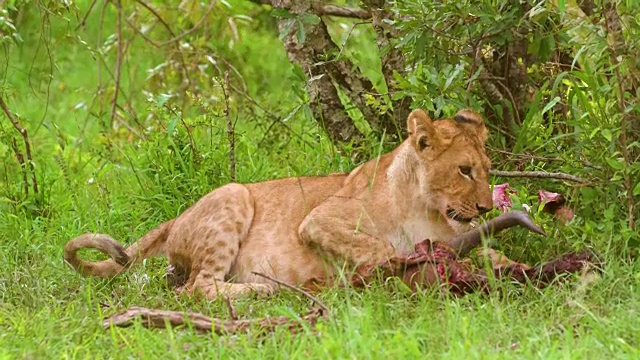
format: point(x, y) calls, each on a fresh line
point(108, 183)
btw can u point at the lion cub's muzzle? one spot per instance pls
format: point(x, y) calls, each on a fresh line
point(466, 218)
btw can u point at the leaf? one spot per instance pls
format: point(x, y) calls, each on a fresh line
point(551, 104)
point(286, 29)
point(453, 76)
point(615, 164)
point(562, 4)
point(311, 19)
point(282, 13)
point(636, 190)
point(607, 134)
point(575, 58)
point(172, 125)
point(420, 45)
point(300, 34)
point(534, 46)
point(547, 46)
point(316, 77)
point(162, 99)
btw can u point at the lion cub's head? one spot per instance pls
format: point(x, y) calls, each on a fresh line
point(454, 172)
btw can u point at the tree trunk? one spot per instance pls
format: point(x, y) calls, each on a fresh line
point(309, 45)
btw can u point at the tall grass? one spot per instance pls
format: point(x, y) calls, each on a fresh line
point(125, 183)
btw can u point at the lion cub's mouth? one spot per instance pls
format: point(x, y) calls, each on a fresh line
point(452, 214)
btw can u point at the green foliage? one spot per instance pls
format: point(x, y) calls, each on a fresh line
point(573, 114)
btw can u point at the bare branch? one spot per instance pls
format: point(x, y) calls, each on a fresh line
point(539, 175)
point(329, 10)
point(275, 118)
point(230, 132)
point(296, 289)
point(23, 166)
point(86, 15)
point(27, 148)
point(157, 16)
point(185, 71)
point(613, 26)
point(232, 310)
point(340, 11)
point(99, 47)
point(194, 28)
point(118, 61)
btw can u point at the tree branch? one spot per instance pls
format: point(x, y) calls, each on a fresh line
point(23, 166)
point(340, 11)
point(328, 10)
point(118, 60)
point(312, 56)
point(539, 175)
point(157, 16)
point(230, 133)
point(328, 72)
point(194, 28)
point(86, 15)
point(613, 26)
point(27, 148)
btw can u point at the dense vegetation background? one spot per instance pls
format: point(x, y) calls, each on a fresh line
point(118, 115)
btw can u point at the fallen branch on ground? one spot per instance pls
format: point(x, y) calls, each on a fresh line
point(539, 175)
point(153, 318)
point(432, 264)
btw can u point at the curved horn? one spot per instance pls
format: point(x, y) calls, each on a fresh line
point(463, 243)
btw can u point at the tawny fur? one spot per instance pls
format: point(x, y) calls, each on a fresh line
point(298, 229)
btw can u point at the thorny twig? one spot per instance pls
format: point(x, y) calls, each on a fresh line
point(296, 289)
point(230, 132)
point(539, 175)
point(27, 148)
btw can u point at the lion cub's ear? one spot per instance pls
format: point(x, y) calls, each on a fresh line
point(421, 130)
point(473, 123)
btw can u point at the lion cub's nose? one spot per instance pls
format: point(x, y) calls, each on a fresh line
point(483, 209)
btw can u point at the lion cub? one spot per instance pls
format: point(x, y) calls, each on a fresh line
point(429, 187)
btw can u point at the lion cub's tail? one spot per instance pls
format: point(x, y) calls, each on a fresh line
point(150, 245)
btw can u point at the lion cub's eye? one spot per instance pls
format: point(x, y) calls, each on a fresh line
point(466, 171)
